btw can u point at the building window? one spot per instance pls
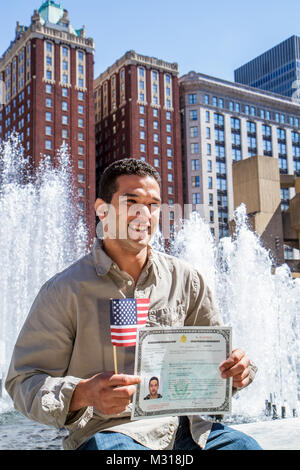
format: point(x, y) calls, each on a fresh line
point(64, 106)
point(208, 149)
point(194, 131)
point(196, 198)
point(194, 148)
point(81, 164)
point(80, 122)
point(65, 120)
point(193, 115)
point(169, 153)
point(80, 150)
point(195, 165)
point(195, 181)
point(48, 116)
point(48, 130)
point(80, 109)
point(142, 122)
point(64, 133)
point(192, 98)
point(80, 136)
point(48, 145)
point(65, 92)
point(48, 88)
point(156, 162)
point(210, 182)
point(142, 147)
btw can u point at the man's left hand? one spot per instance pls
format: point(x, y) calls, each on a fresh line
point(236, 366)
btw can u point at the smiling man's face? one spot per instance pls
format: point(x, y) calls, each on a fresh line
point(135, 206)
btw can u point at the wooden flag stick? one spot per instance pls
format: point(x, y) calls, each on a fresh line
point(115, 359)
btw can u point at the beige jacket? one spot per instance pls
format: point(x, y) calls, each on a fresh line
point(66, 338)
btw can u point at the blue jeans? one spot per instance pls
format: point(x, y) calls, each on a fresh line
point(220, 438)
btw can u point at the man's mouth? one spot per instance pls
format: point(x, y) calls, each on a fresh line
point(139, 228)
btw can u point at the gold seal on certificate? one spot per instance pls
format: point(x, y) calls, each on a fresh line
point(180, 373)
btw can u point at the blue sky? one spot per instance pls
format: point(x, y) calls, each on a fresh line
point(211, 37)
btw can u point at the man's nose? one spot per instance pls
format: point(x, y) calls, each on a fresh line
point(140, 210)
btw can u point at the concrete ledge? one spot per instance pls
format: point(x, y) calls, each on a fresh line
point(279, 434)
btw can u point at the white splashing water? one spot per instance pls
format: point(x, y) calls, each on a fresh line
point(262, 308)
point(40, 235)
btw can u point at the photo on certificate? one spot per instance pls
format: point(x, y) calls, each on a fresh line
point(152, 387)
point(179, 368)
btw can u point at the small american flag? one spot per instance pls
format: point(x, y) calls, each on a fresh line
point(125, 316)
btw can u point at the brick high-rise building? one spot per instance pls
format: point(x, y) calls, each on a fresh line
point(137, 115)
point(48, 96)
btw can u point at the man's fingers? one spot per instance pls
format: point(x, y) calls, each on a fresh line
point(118, 380)
point(123, 392)
point(237, 369)
point(235, 357)
point(242, 380)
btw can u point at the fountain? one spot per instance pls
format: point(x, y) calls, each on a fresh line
point(262, 307)
point(40, 236)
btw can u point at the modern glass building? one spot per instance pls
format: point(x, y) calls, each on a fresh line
point(275, 70)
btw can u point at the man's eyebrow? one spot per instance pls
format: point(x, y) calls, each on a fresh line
point(137, 196)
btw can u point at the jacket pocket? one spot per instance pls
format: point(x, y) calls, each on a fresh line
point(167, 316)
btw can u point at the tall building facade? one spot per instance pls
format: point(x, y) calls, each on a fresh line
point(224, 122)
point(48, 96)
point(276, 70)
point(137, 116)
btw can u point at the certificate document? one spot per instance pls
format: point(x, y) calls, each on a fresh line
point(179, 368)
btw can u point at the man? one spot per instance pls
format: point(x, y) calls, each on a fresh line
point(153, 389)
point(60, 373)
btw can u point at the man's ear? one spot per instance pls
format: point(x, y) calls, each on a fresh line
point(101, 208)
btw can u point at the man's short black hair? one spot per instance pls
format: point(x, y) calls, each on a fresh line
point(153, 378)
point(128, 166)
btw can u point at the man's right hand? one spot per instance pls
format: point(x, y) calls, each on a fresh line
point(109, 393)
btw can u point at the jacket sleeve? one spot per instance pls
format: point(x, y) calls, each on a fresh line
point(204, 312)
point(37, 380)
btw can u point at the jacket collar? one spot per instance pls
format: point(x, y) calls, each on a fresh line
point(103, 262)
